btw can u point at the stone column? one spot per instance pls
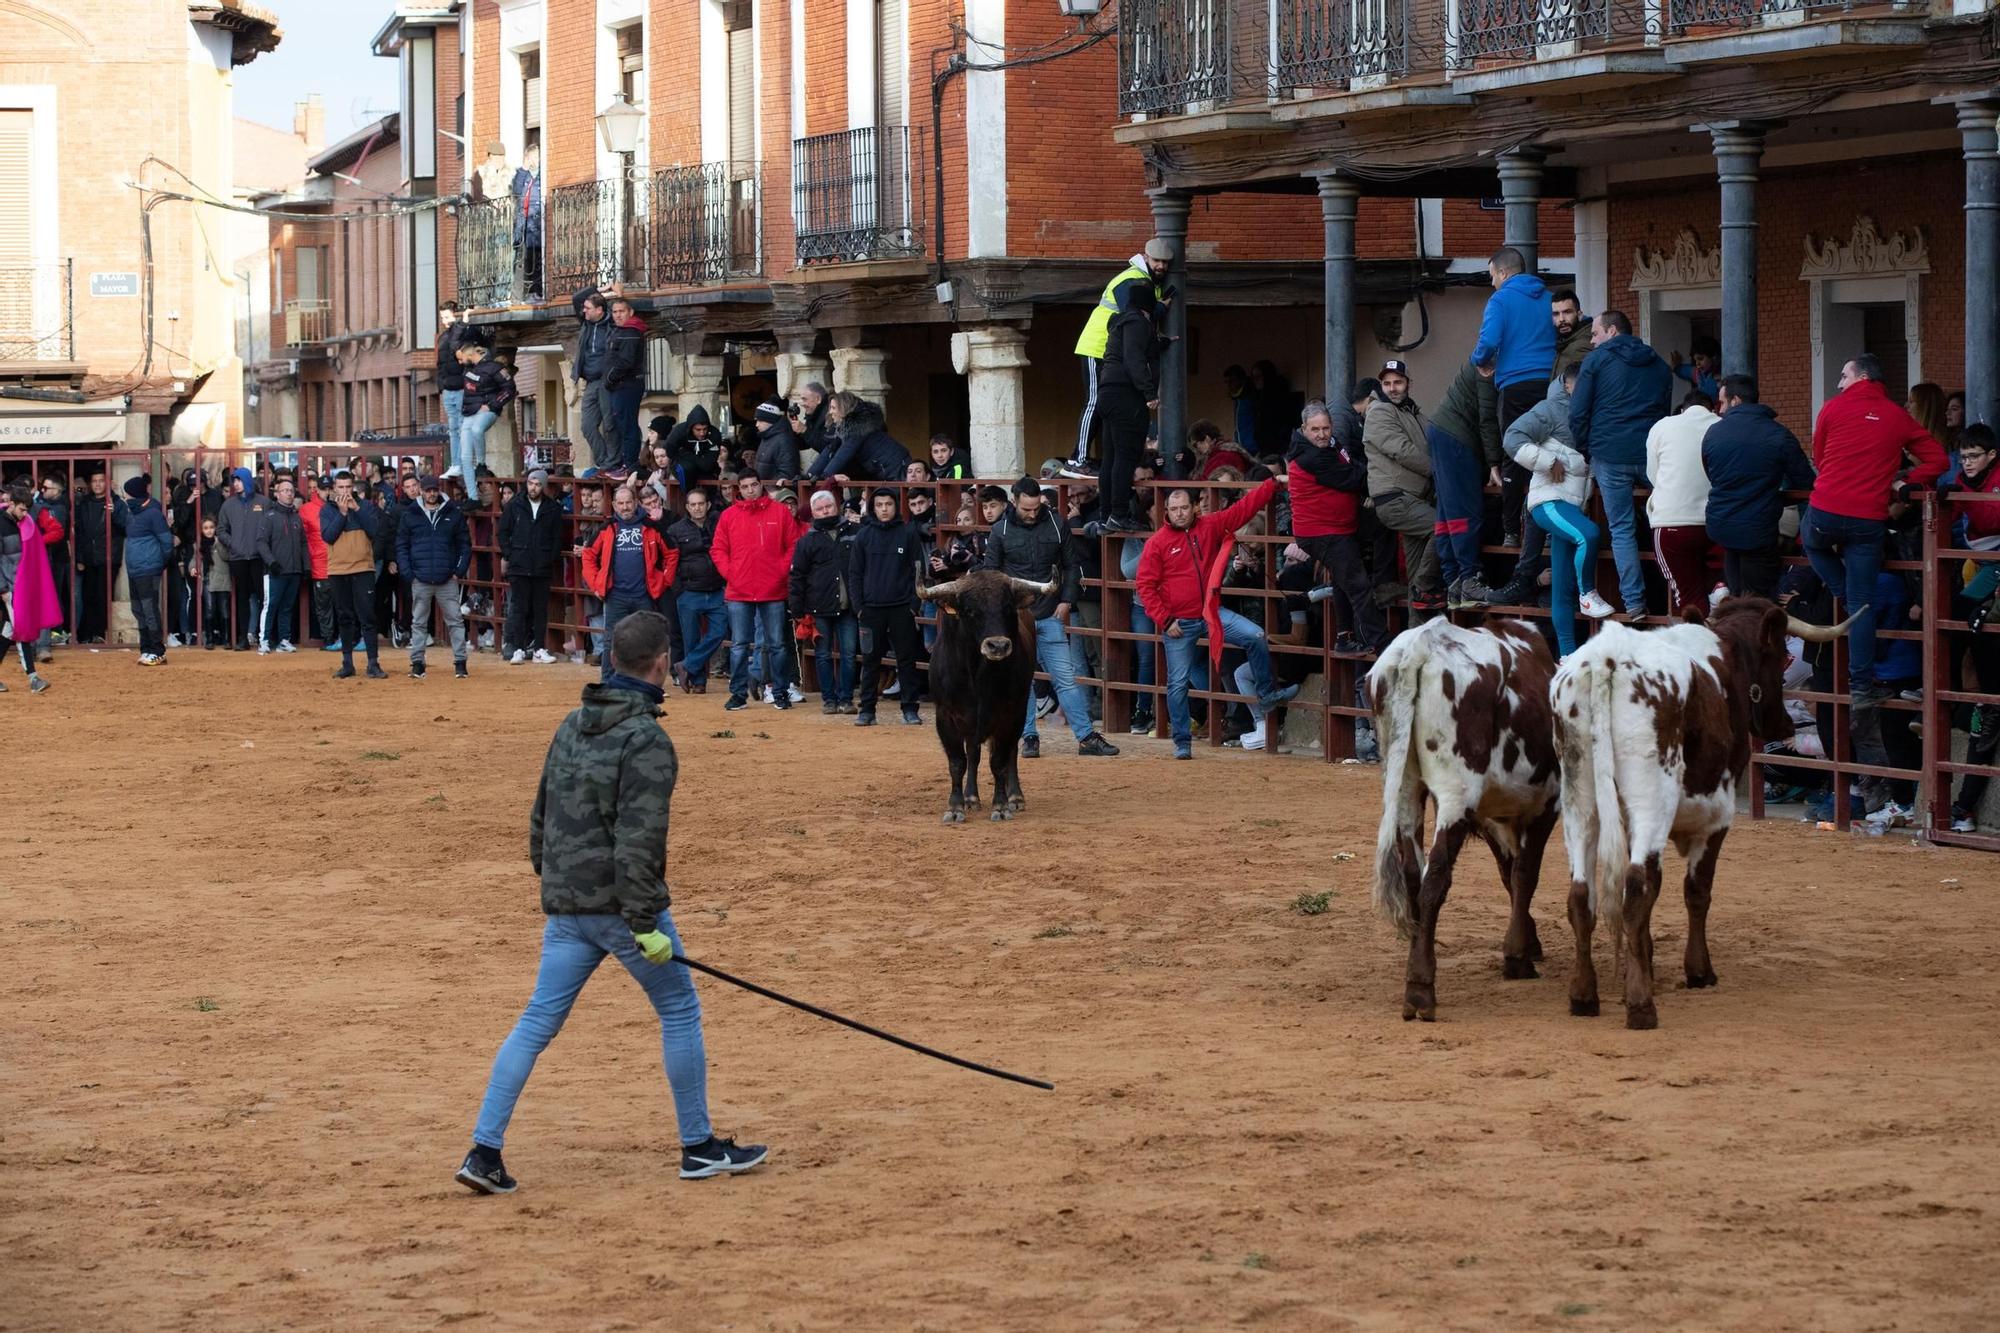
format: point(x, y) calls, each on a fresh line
point(799, 362)
point(1339, 198)
point(864, 372)
point(1976, 127)
point(993, 360)
point(1521, 191)
point(701, 383)
point(1170, 224)
point(1739, 149)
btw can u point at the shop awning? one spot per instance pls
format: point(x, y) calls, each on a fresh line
point(46, 425)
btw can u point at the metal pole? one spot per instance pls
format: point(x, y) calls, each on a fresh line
point(1170, 224)
point(1976, 127)
point(1739, 148)
point(1521, 192)
point(1339, 198)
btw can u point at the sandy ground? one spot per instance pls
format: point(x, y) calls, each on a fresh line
point(261, 933)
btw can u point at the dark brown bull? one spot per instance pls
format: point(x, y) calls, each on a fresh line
point(981, 672)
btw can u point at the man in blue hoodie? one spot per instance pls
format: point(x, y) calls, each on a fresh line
point(1517, 347)
point(1624, 389)
point(149, 545)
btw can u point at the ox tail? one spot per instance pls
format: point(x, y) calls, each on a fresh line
point(1392, 689)
point(1608, 896)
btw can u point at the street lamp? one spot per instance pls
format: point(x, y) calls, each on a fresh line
point(618, 126)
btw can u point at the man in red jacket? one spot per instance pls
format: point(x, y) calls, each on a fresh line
point(1180, 585)
point(628, 565)
point(1328, 479)
point(753, 550)
point(1858, 445)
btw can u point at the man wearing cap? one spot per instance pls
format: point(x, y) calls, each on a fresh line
point(149, 545)
point(1399, 479)
point(348, 522)
point(531, 541)
point(777, 446)
point(1031, 541)
point(433, 551)
point(753, 549)
point(1149, 266)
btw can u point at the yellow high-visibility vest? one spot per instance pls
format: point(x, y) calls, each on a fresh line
point(1097, 329)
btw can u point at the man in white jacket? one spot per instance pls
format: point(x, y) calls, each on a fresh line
point(1678, 508)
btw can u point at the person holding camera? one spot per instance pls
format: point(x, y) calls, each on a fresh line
point(777, 443)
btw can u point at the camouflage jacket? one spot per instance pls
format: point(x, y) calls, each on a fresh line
point(598, 835)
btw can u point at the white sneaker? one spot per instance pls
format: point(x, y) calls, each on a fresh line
point(174, 641)
point(1891, 815)
point(765, 696)
point(146, 659)
point(1964, 824)
point(798, 695)
point(285, 646)
point(519, 658)
point(1593, 605)
point(263, 650)
point(1253, 739)
point(453, 471)
point(543, 657)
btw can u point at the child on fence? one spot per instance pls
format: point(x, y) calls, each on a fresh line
point(1559, 486)
point(215, 589)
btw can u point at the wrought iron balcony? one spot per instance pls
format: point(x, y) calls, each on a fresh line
point(1342, 43)
point(1686, 15)
point(707, 223)
point(1513, 30)
point(488, 263)
point(859, 195)
point(308, 322)
point(598, 233)
point(38, 311)
point(1174, 53)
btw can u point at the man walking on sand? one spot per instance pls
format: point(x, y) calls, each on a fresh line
point(598, 839)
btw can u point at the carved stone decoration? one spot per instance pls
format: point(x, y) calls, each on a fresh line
point(1867, 251)
point(1686, 265)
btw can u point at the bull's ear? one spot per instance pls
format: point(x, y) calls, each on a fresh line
point(1693, 615)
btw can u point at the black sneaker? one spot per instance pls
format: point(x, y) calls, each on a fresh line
point(782, 702)
point(485, 1177)
point(828, 707)
point(912, 718)
point(1142, 724)
point(720, 1157)
point(416, 671)
point(458, 670)
point(1507, 594)
point(1076, 471)
point(736, 702)
point(375, 671)
point(344, 673)
point(1346, 644)
point(865, 718)
point(1031, 747)
point(1095, 744)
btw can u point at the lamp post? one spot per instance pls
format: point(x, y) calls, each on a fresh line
point(618, 127)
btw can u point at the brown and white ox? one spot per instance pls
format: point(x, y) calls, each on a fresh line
point(1654, 728)
point(1463, 718)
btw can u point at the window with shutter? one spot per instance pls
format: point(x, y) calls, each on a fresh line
point(892, 60)
point(17, 241)
point(742, 95)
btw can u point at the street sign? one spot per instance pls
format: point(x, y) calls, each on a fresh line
point(114, 284)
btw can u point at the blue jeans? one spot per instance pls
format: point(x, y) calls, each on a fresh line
point(1052, 656)
point(1847, 553)
point(468, 448)
point(703, 628)
point(1615, 482)
point(625, 422)
point(1573, 542)
point(281, 607)
point(767, 621)
point(454, 412)
point(616, 608)
point(1142, 653)
point(844, 632)
point(1237, 633)
point(572, 947)
point(1460, 476)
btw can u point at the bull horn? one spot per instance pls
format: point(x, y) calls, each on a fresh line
point(1821, 633)
point(944, 592)
point(1029, 585)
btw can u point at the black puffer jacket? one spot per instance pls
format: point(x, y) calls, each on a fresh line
point(884, 560)
point(819, 569)
point(778, 453)
point(697, 571)
point(1036, 551)
point(531, 542)
point(865, 450)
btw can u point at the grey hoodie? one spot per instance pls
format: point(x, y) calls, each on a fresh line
point(1538, 440)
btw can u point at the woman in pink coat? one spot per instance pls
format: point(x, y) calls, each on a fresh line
point(27, 589)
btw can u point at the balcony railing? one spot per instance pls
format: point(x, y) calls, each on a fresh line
point(38, 311)
point(487, 260)
point(859, 195)
point(308, 322)
point(1173, 53)
point(1503, 30)
point(598, 233)
point(1342, 43)
point(707, 223)
point(1683, 15)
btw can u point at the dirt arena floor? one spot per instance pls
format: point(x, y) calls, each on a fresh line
point(261, 933)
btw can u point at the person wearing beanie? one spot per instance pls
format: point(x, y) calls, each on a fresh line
point(531, 543)
point(237, 526)
point(149, 546)
point(822, 593)
point(885, 560)
point(100, 549)
point(777, 446)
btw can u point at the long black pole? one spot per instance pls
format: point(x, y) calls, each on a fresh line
point(832, 1017)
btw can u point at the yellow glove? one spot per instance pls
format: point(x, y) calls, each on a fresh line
point(657, 945)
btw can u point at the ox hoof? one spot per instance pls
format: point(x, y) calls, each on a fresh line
point(972, 802)
point(954, 816)
point(1518, 969)
point(1423, 1007)
point(1643, 1018)
point(1698, 982)
point(1001, 812)
point(1017, 803)
point(1582, 1008)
